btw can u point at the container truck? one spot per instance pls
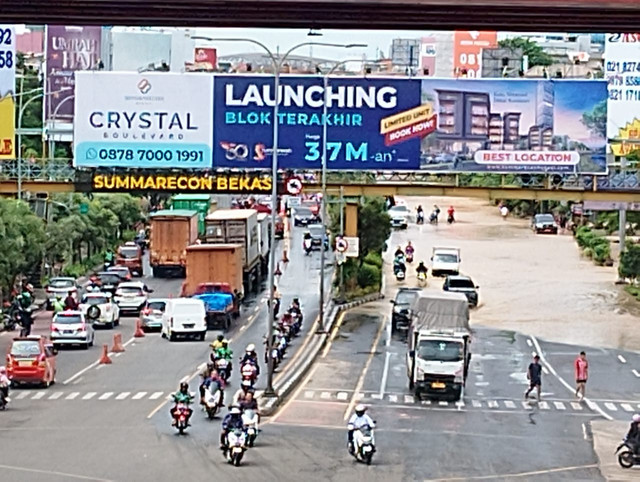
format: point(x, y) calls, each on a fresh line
point(171, 232)
point(202, 203)
point(439, 344)
point(238, 226)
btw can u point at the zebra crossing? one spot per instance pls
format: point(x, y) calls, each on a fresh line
point(60, 395)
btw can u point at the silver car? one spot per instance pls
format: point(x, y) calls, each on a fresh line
point(131, 296)
point(151, 314)
point(71, 328)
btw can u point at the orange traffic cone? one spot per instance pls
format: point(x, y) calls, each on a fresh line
point(104, 359)
point(285, 258)
point(139, 332)
point(117, 343)
point(278, 272)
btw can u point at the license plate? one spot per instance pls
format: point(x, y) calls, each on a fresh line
point(438, 385)
point(24, 364)
point(190, 325)
point(237, 450)
point(67, 332)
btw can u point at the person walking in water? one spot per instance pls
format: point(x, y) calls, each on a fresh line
point(534, 374)
point(581, 368)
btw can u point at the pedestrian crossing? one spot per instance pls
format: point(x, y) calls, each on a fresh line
point(58, 395)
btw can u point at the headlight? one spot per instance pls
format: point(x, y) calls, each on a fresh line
point(419, 373)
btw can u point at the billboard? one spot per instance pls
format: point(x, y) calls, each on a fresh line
point(7, 91)
point(467, 51)
point(622, 71)
point(371, 123)
point(68, 50)
point(205, 59)
point(150, 120)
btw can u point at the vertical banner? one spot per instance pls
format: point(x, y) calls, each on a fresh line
point(7, 91)
point(68, 50)
point(467, 51)
point(622, 72)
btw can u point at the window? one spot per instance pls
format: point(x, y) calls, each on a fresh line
point(157, 306)
point(95, 300)
point(130, 291)
point(461, 283)
point(25, 348)
point(129, 252)
point(61, 283)
point(63, 319)
point(440, 350)
point(445, 258)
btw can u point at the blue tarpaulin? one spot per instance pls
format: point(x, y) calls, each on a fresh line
point(216, 301)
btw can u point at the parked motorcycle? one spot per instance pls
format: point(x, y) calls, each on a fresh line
point(212, 402)
point(236, 446)
point(250, 421)
point(626, 456)
point(363, 445)
point(180, 413)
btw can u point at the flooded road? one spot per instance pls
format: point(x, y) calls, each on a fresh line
point(534, 284)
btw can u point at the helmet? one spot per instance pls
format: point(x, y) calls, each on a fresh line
point(636, 417)
point(246, 384)
point(360, 409)
point(250, 348)
point(184, 386)
point(296, 300)
point(235, 410)
point(220, 337)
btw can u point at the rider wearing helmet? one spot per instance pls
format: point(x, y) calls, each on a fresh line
point(182, 396)
point(241, 394)
point(358, 420)
point(422, 268)
point(232, 421)
point(633, 435)
point(398, 252)
point(217, 343)
point(250, 356)
point(224, 351)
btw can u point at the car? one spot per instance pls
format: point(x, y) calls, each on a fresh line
point(109, 281)
point(544, 223)
point(401, 312)
point(184, 317)
point(151, 314)
point(131, 296)
point(32, 359)
point(122, 271)
point(313, 205)
point(129, 255)
point(464, 285)
point(445, 261)
point(70, 327)
point(100, 310)
point(303, 216)
point(317, 237)
point(60, 286)
point(399, 216)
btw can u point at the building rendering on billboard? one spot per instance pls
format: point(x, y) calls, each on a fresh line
point(7, 91)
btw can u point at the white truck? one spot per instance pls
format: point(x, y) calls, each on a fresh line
point(445, 261)
point(439, 342)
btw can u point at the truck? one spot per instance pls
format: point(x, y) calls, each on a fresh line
point(171, 232)
point(238, 226)
point(445, 261)
point(264, 223)
point(439, 344)
point(130, 255)
point(214, 275)
point(202, 203)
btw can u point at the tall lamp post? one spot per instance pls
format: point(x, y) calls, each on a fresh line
point(277, 61)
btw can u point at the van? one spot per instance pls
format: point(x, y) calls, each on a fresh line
point(184, 317)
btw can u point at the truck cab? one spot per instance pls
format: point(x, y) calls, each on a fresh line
point(130, 255)
point(445, 261)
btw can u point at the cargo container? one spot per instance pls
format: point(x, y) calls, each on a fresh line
point(202, 203)
point(171, 232)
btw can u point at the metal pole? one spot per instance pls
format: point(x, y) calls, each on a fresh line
point(19, 153)
point(52, 139)
point(324, 200)
point(342, 234)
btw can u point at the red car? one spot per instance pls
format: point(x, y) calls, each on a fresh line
point(32, 359)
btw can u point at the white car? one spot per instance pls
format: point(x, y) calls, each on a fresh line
point(60, 286)
point(184, 317)
point(71, 328)
point(100, 309)
point(399, 216)
point(445, 261)
point(131, 296)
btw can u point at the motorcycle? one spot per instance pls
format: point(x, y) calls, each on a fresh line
point(451, 219)
point(399, 270)
point(409, 256)
point(363, 444)
point(212, 402)
point(236, 446)
point(249, 372)
point(420, 218)
point(422, 279)
point(627, 458)
point(307, 247)
point(433, 219)
point(180, 413)
point(224, 368)
point(250, 421)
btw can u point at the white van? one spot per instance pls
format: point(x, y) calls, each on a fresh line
point(184, 317)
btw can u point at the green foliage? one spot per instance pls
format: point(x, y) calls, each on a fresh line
point(374, 259)
point(629, 266)
point(369, 275)
point(536, 54)
point(594, 246)
point(74, 270)
point(374, 226)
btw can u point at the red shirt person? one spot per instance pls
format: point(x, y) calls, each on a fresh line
point(581, 370)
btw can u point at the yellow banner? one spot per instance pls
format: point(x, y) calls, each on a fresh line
point(406, 118)
point(7, 128)
point(220, 183)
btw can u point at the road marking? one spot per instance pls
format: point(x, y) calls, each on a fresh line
point(528, 342)
point(72, 396)
point(622, 359)
point(294, 396)
point(359, 396)
point(409, 399)
point(376, 396)
point(426, 402)
point(509, 404)
point(385, 374)
point(139, 395)
point(334, 333)
point(515, 475)
point(325, 395)
point(342, 395)
point(22, 395)
point(636, 373)
point(544, 405)
point(155, 395)
point(527, 406)
point(123, 395)
point(576, 406)
point(56, 395)
point(105, 396)
point(309, 394)
point(559, 405)
point(50, 472)
point(611, 406)
point(89, 395)
point(443, 403)
point(393, 398)
point(545, 370)
point(492, 404)
point(38, 395)
point(476, 403)
point(626, 407)
point(95, 363)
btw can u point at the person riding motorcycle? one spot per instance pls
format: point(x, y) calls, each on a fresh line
point(399, 264)
point(250, 356)
point(108, 257)
point(409, 249)
point(241, 394)
point(295, 306)
point(70, 302)
point(217, 343)
point(224, 351)
point(213, 382)
point(232, 421)
point(4, 384)
point(182, 396)
point(633, 435)
point(57, 305)
point(398, 252)
point(22, 305)
point(307, 242)
point(422, 268)
point(358, 420)
point(248, 402)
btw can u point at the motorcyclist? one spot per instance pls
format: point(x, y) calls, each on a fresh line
point(94, 284)
point(213, 382)
point(23, 304)
point(250, 356)
point(182, 396)
point(70, 302)
point(358, 420)
point(4, 384)
point(398, 252)
point(108, 257)
point(450, 214)
point(409, 249)
point(57, 305)
point(217, 343)
point(422, 268)
point(307, 242)
point(398, 264)
point(248, 402)
point(241, 394)
point(224, 351)
point(633, 435)
point(232, 421)
point(295, 306)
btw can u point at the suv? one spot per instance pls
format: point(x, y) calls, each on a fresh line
point(32, 359)
point(400, 315)
point(544, 223)
point(399, 216)
point(71, 328)
point(131, 296)
point(464, 285)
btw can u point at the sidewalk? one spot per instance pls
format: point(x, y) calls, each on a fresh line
point(606, 438)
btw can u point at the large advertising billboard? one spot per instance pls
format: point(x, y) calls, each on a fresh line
point(622, 71)
point(151, 120)
point(68, 50)
point(7, 91)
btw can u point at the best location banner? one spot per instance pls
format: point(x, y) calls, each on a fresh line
point(7, 91)
point(151, 120)
point(371, 123)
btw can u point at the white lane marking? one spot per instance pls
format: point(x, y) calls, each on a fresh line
point(56, 395)
point(123, 395)
point(72, 396)
point(492, 404)
point(443, 403)
point(476, 403)
point(408, 399)
point(595, 406)
point(636, 372)
point(622, 359)
point(38, 395)
point(22, 395)
point(139, 395)
point(342, 395)
point(309, 394)
point(393, 398)
point(95, 363)
point(576, 406)
point(155, 395)
point(426, 402)
point(325, 395)
point(559, 405)
point(545, 370)
point(99, 367)
point(611, 406)
point(526, 405)
point(376, 396)
point(509, 404)
point(626, 407)
point(385, 374)
point(528, 342)
point(89, 395)
point(544, 405)
point(359, 396)
point(584, 432)
point(117, 354)
point(105, 396)
point(184, 379)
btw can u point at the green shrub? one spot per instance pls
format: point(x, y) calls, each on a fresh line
point(74, 270)
point(601, 252)
point(369, 275)
point(374, 259)
point(588, 252)
point(584, 236)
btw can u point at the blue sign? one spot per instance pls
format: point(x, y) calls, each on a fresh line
point(372, 124)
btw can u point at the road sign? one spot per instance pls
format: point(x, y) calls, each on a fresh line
point(342, 245)
point(353, 247)
point(294, 186)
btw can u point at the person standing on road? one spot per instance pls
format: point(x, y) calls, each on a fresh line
point(534, 374)
point(581, 368)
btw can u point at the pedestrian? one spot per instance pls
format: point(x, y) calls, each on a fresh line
point(534, 374)
point(581, 366)
point(563, 223)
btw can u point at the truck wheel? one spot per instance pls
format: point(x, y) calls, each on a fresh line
point(156, 272)
point(457, 393)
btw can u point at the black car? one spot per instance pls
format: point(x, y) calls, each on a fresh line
point(109, 281)
point(544, 223)
point(303, 216)
point(400, 315)
point(464, 285)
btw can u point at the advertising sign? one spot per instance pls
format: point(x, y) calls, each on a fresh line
point(509, 126)
point(151, 120)
point(622, 71)
point(206, 59)
point(371, 123)
point(68, 50)
point(7, 91)
point(467, 51)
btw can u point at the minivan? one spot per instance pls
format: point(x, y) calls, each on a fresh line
point(184, 317)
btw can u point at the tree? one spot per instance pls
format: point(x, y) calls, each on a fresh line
point(630, 262)
point(128, 210)
point(535, 53)
point(374, 226)
point(596, 120)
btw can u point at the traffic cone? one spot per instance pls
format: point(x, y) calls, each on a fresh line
point(285, 258)
point(278, 272)
point(104, 359)
point(117, 343)
point(139, 332)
